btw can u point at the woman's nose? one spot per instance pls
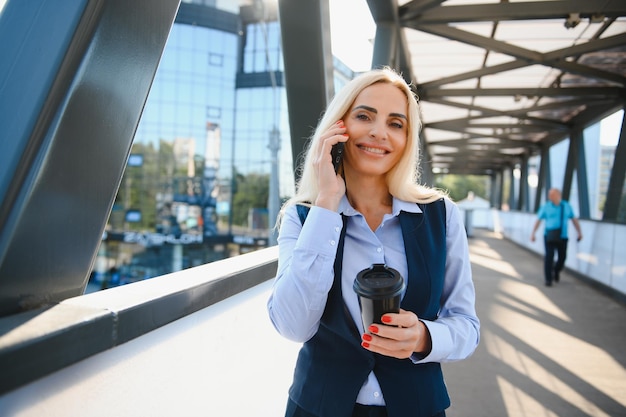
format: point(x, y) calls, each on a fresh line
point(378, 131)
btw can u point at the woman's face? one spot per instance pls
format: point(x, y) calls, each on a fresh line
point(377, 125)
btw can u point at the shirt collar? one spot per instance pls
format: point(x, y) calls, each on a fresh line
point(398, 205)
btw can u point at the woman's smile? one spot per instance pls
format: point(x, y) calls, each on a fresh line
point(371, 149)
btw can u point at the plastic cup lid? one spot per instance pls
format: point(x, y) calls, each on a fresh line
point(378, 281)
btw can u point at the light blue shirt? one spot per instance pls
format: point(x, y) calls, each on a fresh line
point(551, 213)
point(305, 276)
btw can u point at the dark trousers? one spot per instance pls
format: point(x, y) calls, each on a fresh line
point(549, 267)
point(359, 411)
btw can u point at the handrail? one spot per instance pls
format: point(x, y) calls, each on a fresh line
point(39, 342)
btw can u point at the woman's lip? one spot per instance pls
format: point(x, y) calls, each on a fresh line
point(373, 149)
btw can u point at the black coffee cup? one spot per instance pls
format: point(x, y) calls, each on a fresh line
point(380, 290)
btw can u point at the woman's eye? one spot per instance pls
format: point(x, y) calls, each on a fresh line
point(397, 125)
point(362, 116)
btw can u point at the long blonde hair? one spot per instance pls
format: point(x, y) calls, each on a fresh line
point(403, 179)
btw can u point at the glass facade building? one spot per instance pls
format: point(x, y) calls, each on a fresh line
point(212, 142)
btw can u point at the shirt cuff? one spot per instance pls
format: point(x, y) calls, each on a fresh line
point(441, 343)
point(321, 231)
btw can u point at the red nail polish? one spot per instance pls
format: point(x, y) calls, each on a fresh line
point(365, 344)
point(373, 329)
point(386, 319)
point(367, 337)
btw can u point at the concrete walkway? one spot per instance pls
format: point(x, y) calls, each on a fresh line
point(545, 351)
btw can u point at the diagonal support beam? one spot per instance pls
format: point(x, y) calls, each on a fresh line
point(537, 10)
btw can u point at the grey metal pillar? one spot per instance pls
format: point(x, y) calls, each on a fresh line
point(570, 165)
point(512, 199)
point(576, 161)
point(524, 203)
point(614, 193)
point(73, 83)
point(495, 195)
point(385, 45)
point(500, 200)
point(308, 61)
point(544, 181)
point(390, 47)
point(581, 174)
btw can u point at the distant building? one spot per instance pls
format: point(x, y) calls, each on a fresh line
point(216, 98)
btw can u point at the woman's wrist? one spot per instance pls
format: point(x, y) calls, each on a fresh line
point(425, 343)
point(331, 204)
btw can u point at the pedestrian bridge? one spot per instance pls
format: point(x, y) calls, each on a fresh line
point(199, 342)
point(74, 82)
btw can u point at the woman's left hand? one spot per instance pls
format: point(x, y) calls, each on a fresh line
point(401, 336)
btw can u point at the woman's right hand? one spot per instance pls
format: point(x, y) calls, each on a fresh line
point(330, 184)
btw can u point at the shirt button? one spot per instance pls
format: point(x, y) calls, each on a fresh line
point(332, 243)
point(379, 250)
point(337, 229)
point(376, 394)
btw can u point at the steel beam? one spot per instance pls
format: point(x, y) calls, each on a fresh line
point(77, 135)
point(581, 175)
point(308, 62)
point(614, 194)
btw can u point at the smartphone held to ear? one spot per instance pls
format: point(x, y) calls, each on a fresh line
point(337, 153)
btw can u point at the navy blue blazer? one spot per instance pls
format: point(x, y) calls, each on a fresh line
point(332, 366)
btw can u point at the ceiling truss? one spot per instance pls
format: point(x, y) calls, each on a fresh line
point(528, 74)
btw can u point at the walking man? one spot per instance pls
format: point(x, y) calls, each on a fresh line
point(556, 212)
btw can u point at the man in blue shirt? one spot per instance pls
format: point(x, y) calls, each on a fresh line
point(556, 213)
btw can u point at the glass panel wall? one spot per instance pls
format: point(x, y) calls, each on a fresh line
point(196, 184)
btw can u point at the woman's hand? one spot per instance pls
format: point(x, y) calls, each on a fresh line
point(331, 185)
point(401, 336)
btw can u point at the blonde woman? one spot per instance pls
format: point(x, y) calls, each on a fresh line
point(373, 211)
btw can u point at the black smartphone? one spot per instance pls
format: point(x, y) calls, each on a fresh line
point(337, 153)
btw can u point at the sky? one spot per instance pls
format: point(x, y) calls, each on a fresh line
point(610, 129)
point(352, 30)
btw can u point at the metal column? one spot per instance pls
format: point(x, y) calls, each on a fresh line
point(581, 175)
point(83, 70)
point(616, 182)
point(308, 61)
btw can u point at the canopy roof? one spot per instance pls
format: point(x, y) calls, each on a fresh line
point(498, 81)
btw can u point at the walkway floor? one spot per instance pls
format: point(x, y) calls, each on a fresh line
point(545, 351)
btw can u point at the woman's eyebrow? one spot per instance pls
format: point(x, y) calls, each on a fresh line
point(364, 107)
point(373, 110)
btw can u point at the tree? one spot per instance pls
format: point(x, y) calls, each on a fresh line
point(252, 192)
point(140, 185)
point(458, 186)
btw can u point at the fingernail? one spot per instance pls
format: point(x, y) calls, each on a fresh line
point(365, 344)
point(340, 122)
point(386, 319)
point(367, 337)
point(373, 329)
